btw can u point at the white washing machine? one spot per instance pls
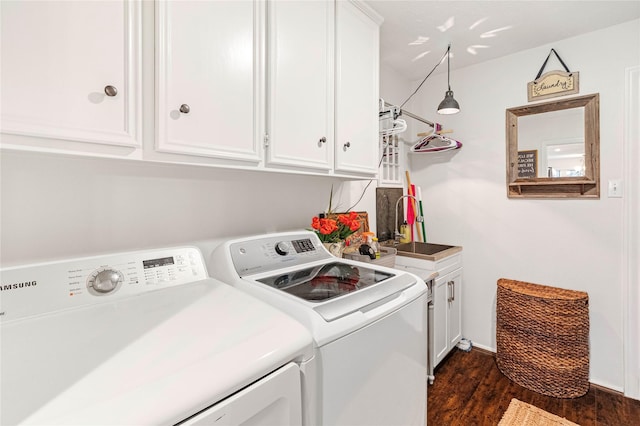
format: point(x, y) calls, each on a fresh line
point(144, 338)
point(369, 324)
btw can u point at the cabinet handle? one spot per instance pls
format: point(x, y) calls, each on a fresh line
point(323, 140)
point(110, 91)
point(453, 291)
point(184, 108)
point(347, 145)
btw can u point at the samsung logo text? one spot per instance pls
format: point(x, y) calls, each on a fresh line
point(7, 287)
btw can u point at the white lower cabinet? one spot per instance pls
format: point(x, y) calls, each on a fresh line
point(447, 316)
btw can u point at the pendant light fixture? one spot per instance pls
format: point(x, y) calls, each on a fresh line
point(448, 105)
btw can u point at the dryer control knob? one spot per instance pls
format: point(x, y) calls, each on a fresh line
point(282, 248)
point(104, 280)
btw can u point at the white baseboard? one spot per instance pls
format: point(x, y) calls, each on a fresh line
point(605, 386)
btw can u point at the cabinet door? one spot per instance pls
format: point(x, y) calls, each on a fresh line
point(439, 326)
point(300, 83)
point(357, 63)
point(207, 64)
point(71, 70)
point(454, 323)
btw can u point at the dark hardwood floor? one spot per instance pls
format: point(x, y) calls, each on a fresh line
point(469, 389)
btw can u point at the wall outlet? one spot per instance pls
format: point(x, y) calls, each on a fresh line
point(615, 188)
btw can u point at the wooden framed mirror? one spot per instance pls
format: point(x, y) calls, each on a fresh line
point(553, 149)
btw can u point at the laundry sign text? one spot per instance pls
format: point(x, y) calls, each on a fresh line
point(552, 84)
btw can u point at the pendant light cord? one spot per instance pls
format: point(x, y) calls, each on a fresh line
point(430, 72)
point(446, 53)
point(448, 69)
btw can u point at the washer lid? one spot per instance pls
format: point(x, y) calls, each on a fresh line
point(335, 289)
point(155, 358)
point(326, 281)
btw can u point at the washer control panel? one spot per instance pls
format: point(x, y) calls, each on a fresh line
point(49, 287)
point(267, 253)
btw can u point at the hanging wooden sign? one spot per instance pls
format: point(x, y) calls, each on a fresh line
point(553, 83)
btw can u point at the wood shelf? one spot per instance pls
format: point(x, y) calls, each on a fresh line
point(541, 188)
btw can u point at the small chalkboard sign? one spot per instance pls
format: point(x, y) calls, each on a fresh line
point(528, 164)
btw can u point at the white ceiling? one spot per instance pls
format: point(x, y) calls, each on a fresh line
point(415, 34)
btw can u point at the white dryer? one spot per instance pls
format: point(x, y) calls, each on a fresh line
point(368, 322)
point(144, 338)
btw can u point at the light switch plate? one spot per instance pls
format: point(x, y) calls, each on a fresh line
point(615, 188)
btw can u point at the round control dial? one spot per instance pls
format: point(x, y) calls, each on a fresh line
point(282, 248)
point(104, 280)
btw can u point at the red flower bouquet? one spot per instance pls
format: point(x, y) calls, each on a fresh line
point(333, 231)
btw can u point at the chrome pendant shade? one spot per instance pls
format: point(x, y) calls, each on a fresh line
point(448, 105)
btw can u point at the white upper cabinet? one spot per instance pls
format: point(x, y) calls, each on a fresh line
point(300, 80)
point(71, 71)
point(208, 78)
point(258, 84)
point(357, 59)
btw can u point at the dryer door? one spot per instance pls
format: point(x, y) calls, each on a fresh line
point(273, 400)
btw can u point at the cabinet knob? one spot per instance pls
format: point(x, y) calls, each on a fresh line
point(323, 140)
point(110, 91)
point(184, 108)
point(347, 145)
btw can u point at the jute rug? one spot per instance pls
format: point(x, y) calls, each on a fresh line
point(522, 414)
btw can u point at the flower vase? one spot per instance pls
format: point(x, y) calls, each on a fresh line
point(336, 248)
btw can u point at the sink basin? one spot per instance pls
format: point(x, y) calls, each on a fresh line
point(427, 251)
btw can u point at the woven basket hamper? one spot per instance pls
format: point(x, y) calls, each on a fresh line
point(542, 337)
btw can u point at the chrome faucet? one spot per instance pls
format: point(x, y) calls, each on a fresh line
point(419, 217)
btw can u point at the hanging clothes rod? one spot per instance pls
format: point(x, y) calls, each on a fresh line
point(411, 115)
